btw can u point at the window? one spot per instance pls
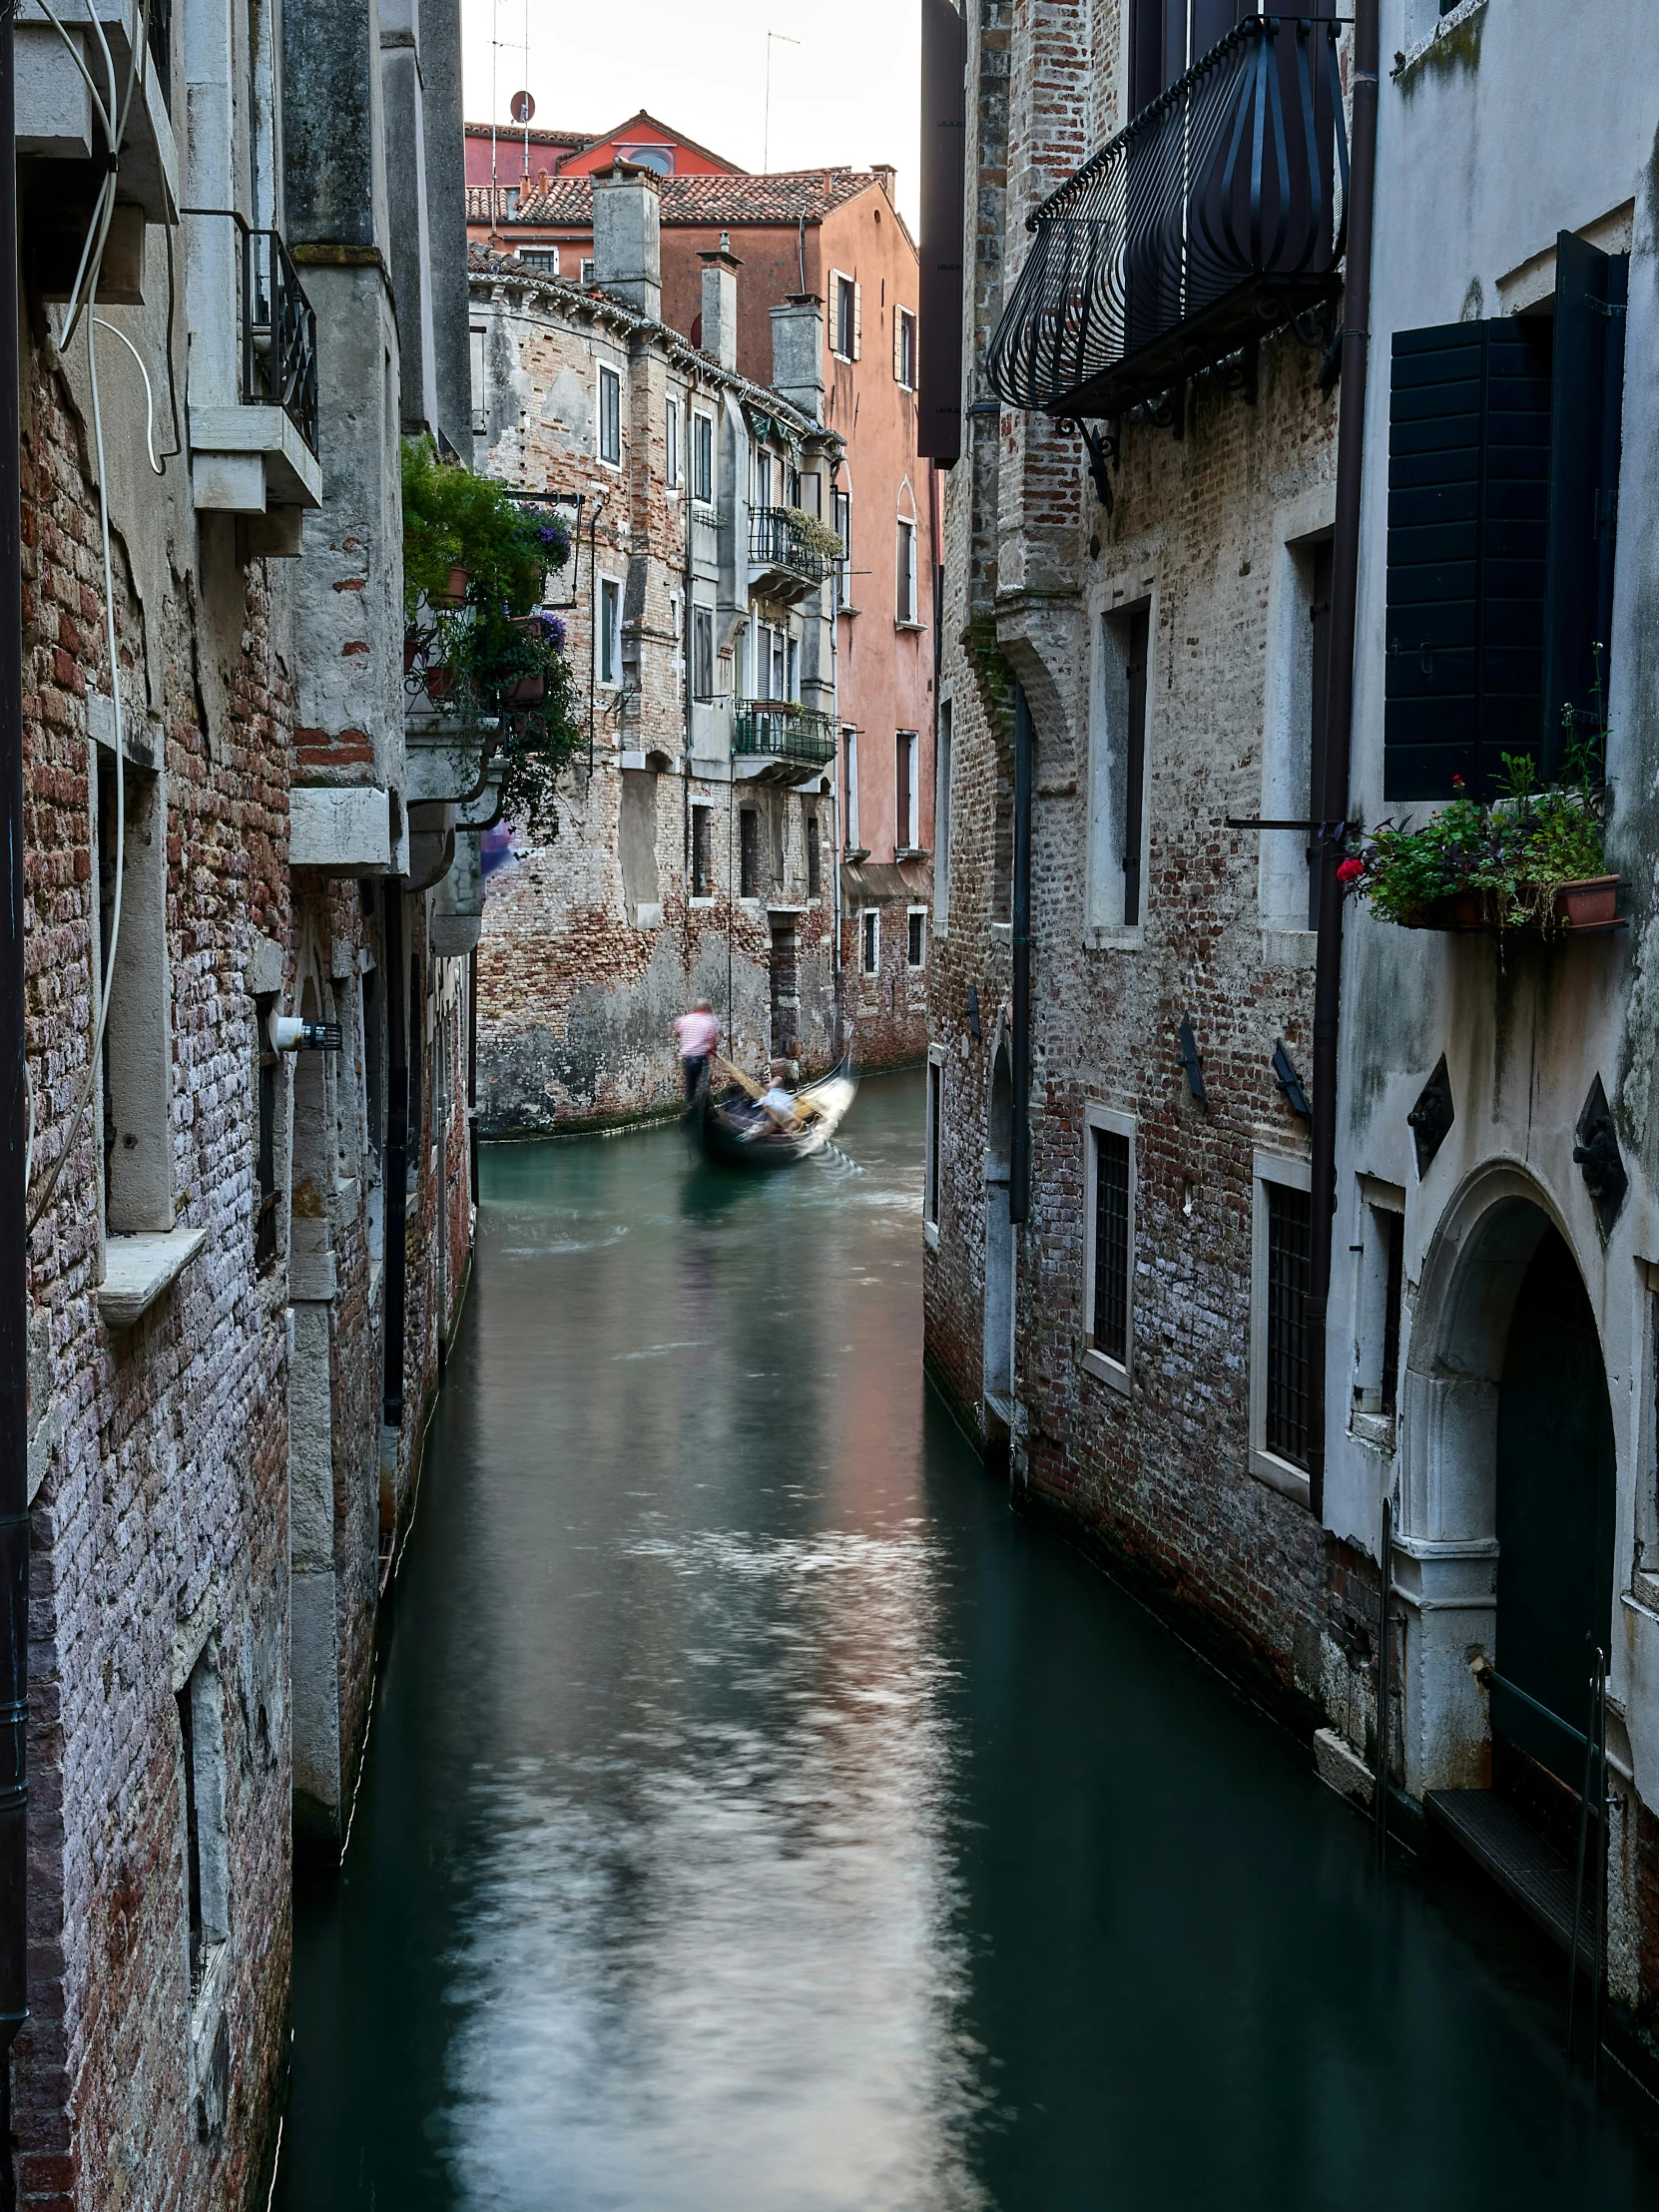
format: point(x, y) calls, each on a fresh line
point(1379, 1291)
point(1117, 779)
point(933, 1178)
point(1279, 1380)
point(810, 492)
point(907, 817)
point(762, 479)
point(610, 417)
point(1168, 36)
point(871, 929)
point(480, 416)
point(846, 308)
point(906, 572)
point(850, 787)
point(904, 348)
point(749, 854)
point(587, 268)
point(264, 1158)
point(610, 631)
point(1293, 730)
point(815, 861)
point(941, 821)
point(702, 458)
point(670, 445)
point(1108, 1242)
point(843, 532)
point(1503, 443)
point(792, 669)
point(137, 1067)
point(703, 653)
point(916, 952)
point(544, 258)
point(703, 846)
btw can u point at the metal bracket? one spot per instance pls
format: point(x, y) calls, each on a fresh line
point(1103, 449)
point(1192, 1063)
point(1285, 1075)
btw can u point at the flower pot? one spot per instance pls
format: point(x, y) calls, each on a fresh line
point(1589, 903)
point(455, 596)
point(441, 683)
point(529, 690)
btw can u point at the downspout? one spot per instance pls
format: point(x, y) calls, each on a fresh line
point(1338, 721)
point(1019, 1043)
point(839, 828)
point(688, 877)
point(397, 1144)
point(472, 1070)
point(14, 1288)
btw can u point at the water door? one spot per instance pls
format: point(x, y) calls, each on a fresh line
point(1555, 1467)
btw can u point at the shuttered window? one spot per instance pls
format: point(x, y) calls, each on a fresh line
point(1503, 449)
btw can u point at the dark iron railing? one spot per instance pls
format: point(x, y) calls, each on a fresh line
point(776, 539)
point(787, 732)
point(278, 334)
point(1216, 216)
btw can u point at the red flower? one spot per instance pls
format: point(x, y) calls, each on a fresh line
point(1351, 871)
point(1456, 782)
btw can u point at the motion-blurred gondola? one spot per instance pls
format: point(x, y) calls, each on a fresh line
point(735, 1130)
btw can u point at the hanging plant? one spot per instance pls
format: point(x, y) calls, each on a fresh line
point(816, 534)
point(1532, 859)
point(475, 568)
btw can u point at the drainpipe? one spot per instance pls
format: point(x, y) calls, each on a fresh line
point(472, 1070)
point(397, 1143)
point(1338, 720)
point(1019, 1052)
point(14, 1289)
point(688, 676)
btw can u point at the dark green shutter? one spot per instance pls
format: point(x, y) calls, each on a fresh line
point(1590, 291)
point(1468, 504)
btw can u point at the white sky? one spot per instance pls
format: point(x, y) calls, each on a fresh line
point(849, 93)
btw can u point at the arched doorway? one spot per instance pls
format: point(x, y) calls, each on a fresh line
point(998, 1385)
point(1556, 1504)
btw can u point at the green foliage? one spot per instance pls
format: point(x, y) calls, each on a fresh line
point(816, 533)
point(488, 655)
point(1510, 856)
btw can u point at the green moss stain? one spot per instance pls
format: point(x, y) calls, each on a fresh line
point(1447, 52)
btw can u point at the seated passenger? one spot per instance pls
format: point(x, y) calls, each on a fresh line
point(777, 1101)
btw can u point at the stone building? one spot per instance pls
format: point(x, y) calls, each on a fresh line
point(836, 233)
point(1142, 560)
point(694, 852)
point(247, 1010)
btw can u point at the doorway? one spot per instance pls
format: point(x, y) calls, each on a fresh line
point(1555, 1507)
point(998, 1383)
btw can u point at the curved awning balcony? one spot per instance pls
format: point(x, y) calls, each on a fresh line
point(1216, 217)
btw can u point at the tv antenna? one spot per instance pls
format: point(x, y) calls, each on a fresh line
point(766, 126)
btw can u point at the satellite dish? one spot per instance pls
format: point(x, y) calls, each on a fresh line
point(522, 107)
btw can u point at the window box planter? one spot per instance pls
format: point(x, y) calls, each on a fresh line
point(1588, 904)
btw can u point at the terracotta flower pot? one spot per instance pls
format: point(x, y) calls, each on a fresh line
point(529, 690)
point(455, 596)
point(1593, 901)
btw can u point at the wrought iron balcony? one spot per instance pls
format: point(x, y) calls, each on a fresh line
point(785, 731)
point(279, 333)
point(1218, 215)
point(783, 559)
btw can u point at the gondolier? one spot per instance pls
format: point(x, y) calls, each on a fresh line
point(698, 1034)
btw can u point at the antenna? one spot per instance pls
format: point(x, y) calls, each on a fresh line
point(766, 126)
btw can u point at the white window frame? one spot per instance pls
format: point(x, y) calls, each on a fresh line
point(837, 278)
point(587, 268)
point(608, 460)
point(849, 773)
point(906, 592)
point(1367, 1418)
point(602, 632)
point(671, 444)
point(943, 743)
point(477, 339)
point(932, 1156)
point(1267, 1467)
point(1103, 892)
point(703, 625)
point(764, 467)
point(915, 967)
point(909, 830)
point(904, 348)
point(868, 915)
point(1118, 1374)
point(539, 258)
point(702, 433)
point(1287, 722)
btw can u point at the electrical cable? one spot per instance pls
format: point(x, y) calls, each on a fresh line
point(159, 467)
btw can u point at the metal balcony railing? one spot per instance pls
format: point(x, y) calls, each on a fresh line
point(777, 541)
point(1216, 216)
point(276, 335)
point(786, 732)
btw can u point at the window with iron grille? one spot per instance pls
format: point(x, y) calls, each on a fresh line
point(610, 415)
point(916, 950)
point(1288, 1237)
point(543, 259)
point(702, 458)
point(1109, 1304)
point(749, 854)
point(935, 1101)
point(872, 941)
point(815, 860)
point(703, 652)
point(670, 445)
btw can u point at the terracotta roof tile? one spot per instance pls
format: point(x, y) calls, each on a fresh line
point(784, 195)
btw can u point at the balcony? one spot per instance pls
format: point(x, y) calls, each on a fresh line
point(784, 732)
point(784, 563)
point(1217, 216)
point(258, 448)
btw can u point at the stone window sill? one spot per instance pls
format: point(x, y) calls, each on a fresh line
point(1110, 1372)
point(930, 1235)
point(1407, 64)
point(913, 629)
point(138, 1269)
point(1280, 1475)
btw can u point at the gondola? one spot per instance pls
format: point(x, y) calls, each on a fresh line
point(730, 1132)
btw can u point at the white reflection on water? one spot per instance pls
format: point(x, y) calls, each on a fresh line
point(724, 1973)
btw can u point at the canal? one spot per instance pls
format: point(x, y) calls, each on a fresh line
point(758, 1817)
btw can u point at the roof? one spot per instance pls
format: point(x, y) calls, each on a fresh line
point(581, 301)
point(784, 196)
point(571, 141)
point(644, 125)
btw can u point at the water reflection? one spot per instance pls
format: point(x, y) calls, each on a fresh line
point(758, 1816)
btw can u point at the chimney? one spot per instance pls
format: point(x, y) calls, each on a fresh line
point(887, 175)
point(627, 237)
point(797, 353)
point(719, 303)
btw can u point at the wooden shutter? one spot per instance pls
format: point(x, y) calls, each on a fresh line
point(898, 344)
point(857, 319)
point(1469, 501)
point(1585, 419)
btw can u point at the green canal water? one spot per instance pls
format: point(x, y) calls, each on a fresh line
point(759, 1816)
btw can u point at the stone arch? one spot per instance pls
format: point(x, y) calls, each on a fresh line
point(1048, 651)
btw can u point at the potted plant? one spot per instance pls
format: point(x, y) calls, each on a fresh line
point(1531, 859)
